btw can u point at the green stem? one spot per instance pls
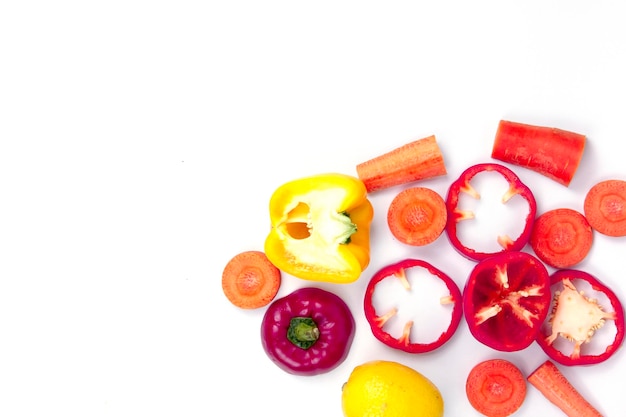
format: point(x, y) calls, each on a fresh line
point(303, 332)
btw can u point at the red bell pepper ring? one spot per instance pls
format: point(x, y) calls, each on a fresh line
point(378, 319)
point(456, 214)
point(506, 299)
point(576, 318)
point(308, 332)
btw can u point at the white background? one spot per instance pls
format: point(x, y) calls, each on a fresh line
point(140, 142)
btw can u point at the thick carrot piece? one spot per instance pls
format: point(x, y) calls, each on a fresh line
point(605, 207)
point(417, 160)
point(496, 388)
point(417, 216)
point(561, 237)
point(552, 152)
point(250, 280)
point(549, 380)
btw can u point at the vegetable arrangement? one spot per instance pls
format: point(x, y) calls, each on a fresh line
point(320, 231)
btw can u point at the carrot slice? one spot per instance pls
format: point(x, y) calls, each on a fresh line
point(549, 380)
point(561, 237)
point(417, 160)
point(417, 216)
point(605, 207)
point(250, 280)
point(552, 152)
point(496, 388)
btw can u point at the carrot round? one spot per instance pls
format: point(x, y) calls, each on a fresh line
point(549, 380)
point(496, 388)
point(250, 280)
point(605, 207)
point(417, 216)
point(561, 237)
point(552, 152)
point(417, 160)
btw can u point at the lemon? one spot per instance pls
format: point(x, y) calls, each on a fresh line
point(389, 389)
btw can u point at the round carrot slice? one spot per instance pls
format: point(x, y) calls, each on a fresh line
point(605, 207)
point(496, 388)
point(250, 280)
point(561, 237)
point(417, 216)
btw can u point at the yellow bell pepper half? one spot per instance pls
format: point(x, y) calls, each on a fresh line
point(321, 228)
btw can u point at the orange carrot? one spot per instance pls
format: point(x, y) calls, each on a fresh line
point(417, 160)
point(605, 207)
point(552, 152)
point(250, 280)
point(496, 388)
point(549, 380)
point(561, 237)
point(417, 216)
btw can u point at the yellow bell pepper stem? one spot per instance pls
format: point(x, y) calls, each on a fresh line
point(320, 228)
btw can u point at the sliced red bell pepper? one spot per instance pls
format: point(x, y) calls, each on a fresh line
point(308, 332)
point(577, 316)
point(506, 299)
point(456, 214)
point(377, 319)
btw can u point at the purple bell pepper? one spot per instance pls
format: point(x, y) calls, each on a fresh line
point(308, 332)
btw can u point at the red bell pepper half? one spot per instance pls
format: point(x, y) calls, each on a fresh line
point(378, 319)
point(308, 332)
point(578, 316)
point(506, 299)
point(456, 214)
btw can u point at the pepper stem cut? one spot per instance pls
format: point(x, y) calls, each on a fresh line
point(303, 332)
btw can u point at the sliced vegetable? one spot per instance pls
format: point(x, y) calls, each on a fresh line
point(417, 216)
point(577, 316)
point(552, 152)
point(551, 382)
point(308, 332)
point(320, 228)
point(250, 280)
point(449, 300)
point(414, 161)
point(605, 207)
point(561, 237)
point(463, 185)
point(496, 388)
point(506, 299)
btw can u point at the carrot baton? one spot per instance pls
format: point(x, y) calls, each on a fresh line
point(549, 380)
point(552, 152)
point(417, 160)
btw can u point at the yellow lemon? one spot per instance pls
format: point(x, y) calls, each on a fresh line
point(389, 389)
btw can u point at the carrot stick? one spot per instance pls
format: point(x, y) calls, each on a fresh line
point(552, 152)
point(605, 207)
point(561, 237)
point(549, 380)
point(417, 216)
point(250, 280)
point(496, 388)
point(417, 160)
